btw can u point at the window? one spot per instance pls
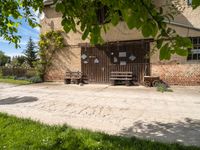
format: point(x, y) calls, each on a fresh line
point(194, 53)
point(189, 2)
point(101, 14)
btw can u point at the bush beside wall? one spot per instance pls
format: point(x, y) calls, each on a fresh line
point(17, 72)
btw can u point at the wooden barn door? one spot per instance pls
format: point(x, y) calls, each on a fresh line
point(97, 62)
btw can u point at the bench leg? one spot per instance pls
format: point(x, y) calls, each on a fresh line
point(147, 83)
point(113, 82)
point(67, 81)
point(128, 83)
point(78, 81)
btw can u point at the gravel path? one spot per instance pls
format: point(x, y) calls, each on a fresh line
point(129, 111)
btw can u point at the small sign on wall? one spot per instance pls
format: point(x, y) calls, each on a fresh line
point(122, 63)
point(84, 56)
point(96, 61)
point(115, 60)
point(132, 58)
point(122, 54)
point(85, 62)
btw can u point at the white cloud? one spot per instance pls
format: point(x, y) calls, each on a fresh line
point(37, 29)
point(22, 42)
point(14, 54)
point(37, 15)
point(26, 31)
point(3, 41)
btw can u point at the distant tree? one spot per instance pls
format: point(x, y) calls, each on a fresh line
point(30, 52)
point(143, 15)
point(14, 62)
point(21, 59)
point(4, 59)
point(17, 61)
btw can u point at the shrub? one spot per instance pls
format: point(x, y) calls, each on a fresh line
point(8, 77)
point(49, 43)
point(35, 79)
point(1, 75)
point(17, 71)
point(30, 73)
point(162, 87)
point(13, 71)
point(21, 78)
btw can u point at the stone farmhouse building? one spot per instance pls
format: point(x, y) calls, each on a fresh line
point(125, 50)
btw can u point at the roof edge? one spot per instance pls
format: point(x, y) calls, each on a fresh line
point(48, 2)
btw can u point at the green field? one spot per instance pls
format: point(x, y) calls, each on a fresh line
point(12, 81)
point(24, 134)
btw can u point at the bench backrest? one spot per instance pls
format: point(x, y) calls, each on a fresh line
point(74, 75)
point(121, 75)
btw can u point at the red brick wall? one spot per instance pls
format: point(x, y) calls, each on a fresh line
point(177, 74)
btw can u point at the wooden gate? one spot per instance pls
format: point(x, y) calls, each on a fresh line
point(97, 62)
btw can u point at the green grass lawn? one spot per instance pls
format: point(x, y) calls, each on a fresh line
point(12, 81)
point(23, 134)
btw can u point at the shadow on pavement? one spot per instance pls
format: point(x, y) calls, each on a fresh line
point(186, 132)
point(16, 100)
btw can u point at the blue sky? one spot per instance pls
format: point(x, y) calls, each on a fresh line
point(25, 31)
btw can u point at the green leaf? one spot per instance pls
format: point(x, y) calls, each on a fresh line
point(150, 29)
point(83, 26)
point(195, 3)
point(147, 2)
point(125, 15)
point(60, 7)
point(132, 22)
point(115, 19)
point(86, 33)
point(146, 30)
point(181, 52)
point(66, 28)
point(154, 28)
point(159, 43)
point(9, 24)
point(183, 42)
point(165, 52)
point(94, 39)
point(64, 21)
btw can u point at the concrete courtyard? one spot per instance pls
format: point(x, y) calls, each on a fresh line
point(129, 111)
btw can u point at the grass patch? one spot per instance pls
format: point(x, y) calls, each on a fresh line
point(21, 134)
point(162, 87)
point(12, 81)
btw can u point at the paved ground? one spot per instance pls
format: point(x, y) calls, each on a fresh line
point(138, 111)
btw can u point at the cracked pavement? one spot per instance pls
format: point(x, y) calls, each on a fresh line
point(120, 110)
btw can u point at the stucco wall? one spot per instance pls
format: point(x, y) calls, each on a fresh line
point(68, 59)
point(187, 15)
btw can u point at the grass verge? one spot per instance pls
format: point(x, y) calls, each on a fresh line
point(12, 81)
point(21, 134)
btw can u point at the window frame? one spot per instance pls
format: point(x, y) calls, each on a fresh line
point(189, 2)
point(194, 53)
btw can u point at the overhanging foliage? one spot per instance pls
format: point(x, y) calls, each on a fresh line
point(140, 14)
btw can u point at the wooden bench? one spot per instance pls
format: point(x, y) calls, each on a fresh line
point(121, 77)
point(73, 77)
point(151, 81)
